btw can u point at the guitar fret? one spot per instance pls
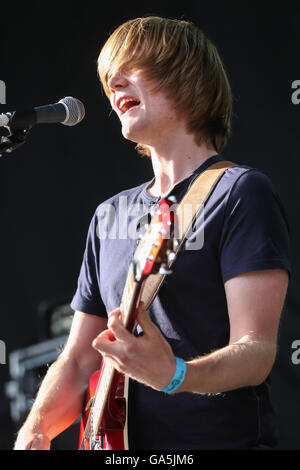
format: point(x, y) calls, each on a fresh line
point(128, 292)
point(101, 394)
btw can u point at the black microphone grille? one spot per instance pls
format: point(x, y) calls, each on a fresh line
point(75, 111)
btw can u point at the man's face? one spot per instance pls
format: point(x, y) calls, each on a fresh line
point(146, 116)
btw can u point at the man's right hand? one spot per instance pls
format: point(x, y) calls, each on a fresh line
point(28, 440)
point(60, 396)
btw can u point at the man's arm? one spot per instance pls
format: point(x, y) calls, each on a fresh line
point(255, 301)
point(60, 397)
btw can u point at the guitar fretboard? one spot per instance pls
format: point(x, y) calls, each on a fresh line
point(107, 370)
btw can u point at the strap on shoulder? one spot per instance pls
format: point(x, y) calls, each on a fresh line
point(187, 211)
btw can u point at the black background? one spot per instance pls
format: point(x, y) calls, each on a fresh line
point(51, 186)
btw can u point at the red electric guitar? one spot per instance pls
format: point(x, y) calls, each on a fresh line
point(104, 418)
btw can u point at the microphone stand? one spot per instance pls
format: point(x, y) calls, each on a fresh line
point(13, 140)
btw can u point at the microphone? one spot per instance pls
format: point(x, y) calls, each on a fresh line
point(68, 111)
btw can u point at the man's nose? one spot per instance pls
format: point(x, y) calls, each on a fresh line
point(116, 81)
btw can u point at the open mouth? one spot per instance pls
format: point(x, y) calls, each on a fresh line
point(125, 104)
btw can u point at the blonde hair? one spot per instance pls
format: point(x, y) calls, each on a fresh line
point(178, 57)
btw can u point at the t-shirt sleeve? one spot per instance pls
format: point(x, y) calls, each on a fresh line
point(255, 232)
point(87, 297)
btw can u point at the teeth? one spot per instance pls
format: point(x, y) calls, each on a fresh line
point(124, 101)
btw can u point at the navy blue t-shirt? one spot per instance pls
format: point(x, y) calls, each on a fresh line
point(245, 229)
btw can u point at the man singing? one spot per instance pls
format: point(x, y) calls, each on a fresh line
point(216, 316)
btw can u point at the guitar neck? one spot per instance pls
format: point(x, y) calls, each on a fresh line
point(130, 299)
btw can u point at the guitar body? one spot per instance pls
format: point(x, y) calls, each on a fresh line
point(113, 428)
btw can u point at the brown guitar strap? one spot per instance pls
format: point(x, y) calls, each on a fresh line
point(187, 211)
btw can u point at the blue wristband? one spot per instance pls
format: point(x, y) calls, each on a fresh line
point(178, 377)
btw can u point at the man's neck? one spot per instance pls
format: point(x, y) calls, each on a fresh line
point(177, 164)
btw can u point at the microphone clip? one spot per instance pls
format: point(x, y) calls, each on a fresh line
point(13, 140)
